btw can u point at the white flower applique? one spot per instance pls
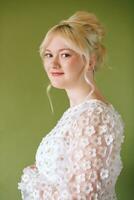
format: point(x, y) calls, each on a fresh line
point(75, 126)
point(97, 163)
point(76, 166)
point(91, 152)
point(81, 197)
point(102, 129)
point(104, 173)
point(84, 121)
point(78, 155)
point(25, 178)
point(106, 118)
point(86, 164)
point(65, 195)
point(108, 139)
point(87, 188)
point(35, 194)
point(95, 120)
point(96, 140)
point(98, 110)
point(75, 188)
point(89, 130)
point(80, 178)
point(84, 141)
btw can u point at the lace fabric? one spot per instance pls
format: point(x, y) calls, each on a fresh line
point(80, 158)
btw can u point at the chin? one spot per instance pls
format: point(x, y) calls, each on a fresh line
point(58, 86)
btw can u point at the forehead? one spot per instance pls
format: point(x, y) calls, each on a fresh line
point(57, 42)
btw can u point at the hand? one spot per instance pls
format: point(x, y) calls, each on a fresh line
point(33, 166)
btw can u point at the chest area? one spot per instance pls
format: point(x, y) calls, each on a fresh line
point(52, 150)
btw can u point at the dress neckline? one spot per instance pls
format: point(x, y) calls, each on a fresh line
point(88, 101)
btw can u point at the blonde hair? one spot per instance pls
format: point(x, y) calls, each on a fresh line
point(84, 33)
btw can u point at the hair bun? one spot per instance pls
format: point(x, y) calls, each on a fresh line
point(89, 21)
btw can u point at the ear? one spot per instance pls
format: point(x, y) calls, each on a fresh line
point(92, 62)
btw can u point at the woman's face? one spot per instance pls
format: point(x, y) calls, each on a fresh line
point(63, 65)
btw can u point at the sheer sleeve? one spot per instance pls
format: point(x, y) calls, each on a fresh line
point(93, 159)
point(95, 154)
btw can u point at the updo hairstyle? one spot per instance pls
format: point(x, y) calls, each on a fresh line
point(84, 33)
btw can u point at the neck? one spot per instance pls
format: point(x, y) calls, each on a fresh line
point(78, 94)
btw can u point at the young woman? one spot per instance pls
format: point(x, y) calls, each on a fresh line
point(80, 158)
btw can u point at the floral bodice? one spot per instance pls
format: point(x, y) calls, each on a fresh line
point(79, 159)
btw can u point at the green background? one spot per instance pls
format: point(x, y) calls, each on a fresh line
point(25, 115)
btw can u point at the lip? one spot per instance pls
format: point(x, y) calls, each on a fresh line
point(57, 73)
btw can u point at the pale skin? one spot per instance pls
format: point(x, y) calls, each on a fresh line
point(59, 57)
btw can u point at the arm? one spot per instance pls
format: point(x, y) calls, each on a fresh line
point(96, 141)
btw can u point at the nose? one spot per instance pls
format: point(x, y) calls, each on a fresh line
point(55, 62)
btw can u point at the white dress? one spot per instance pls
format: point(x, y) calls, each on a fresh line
point(80, 158)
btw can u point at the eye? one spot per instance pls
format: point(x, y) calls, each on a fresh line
point(65, 55)
point(48, 55)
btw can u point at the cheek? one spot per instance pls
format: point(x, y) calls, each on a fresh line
point(75, 65)
point(45, 65)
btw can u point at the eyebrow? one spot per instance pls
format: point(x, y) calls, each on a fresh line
point(60, 49)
